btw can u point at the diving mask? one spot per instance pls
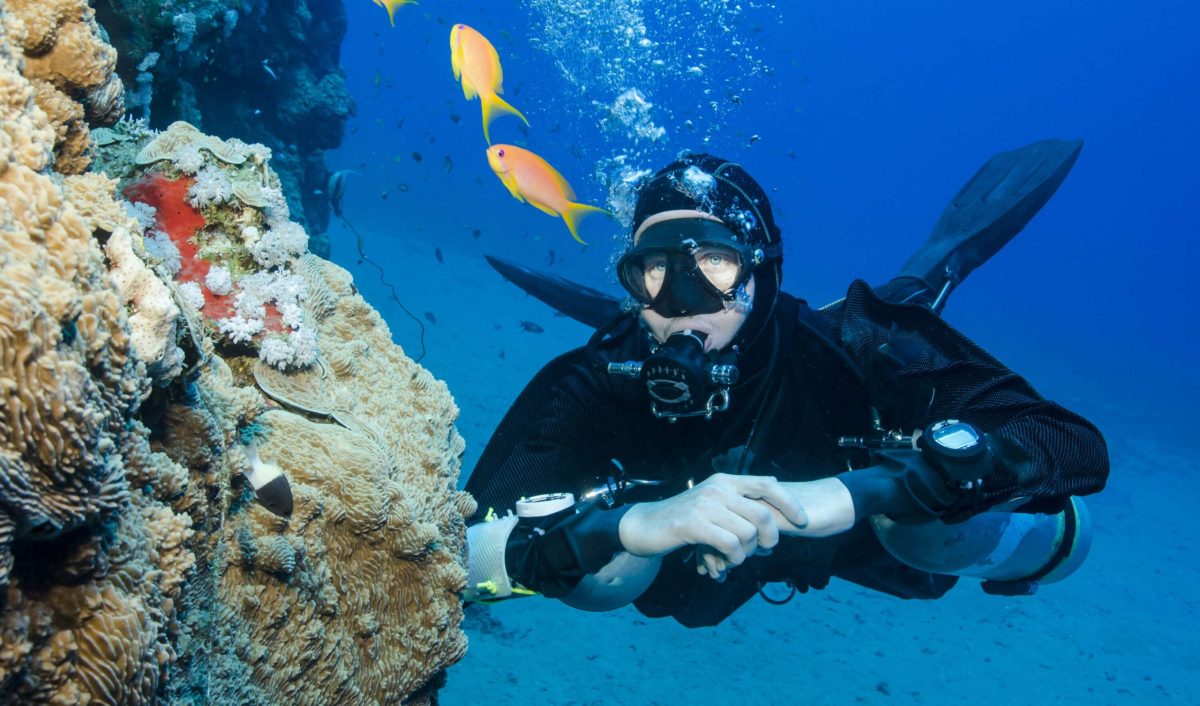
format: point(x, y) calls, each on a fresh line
point(688, 266)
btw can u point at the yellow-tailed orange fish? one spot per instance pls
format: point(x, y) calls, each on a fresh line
point(391, 5)
point(477, 65)
point(530, 178)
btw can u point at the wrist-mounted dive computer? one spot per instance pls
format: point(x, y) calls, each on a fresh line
point(959, 450)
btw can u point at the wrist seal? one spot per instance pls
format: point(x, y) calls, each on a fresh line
point(552, 553)
point(941, 477)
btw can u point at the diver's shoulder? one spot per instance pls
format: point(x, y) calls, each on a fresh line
point(577, 364)
point(861, 309)
point(864, 301)
point(572, 363)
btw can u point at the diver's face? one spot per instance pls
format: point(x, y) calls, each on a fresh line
point(721, 327)
point(720, 266)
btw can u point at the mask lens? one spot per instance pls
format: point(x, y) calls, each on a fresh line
point(654, 268)
point(690, 265)
point(632, 270)
point(720, 266)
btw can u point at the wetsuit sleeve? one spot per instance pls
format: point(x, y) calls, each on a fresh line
point(560, 436)
point(923, 370)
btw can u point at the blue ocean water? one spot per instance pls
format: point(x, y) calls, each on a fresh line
point(862, 120)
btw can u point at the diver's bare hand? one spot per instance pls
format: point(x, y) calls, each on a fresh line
point(723, 513)
point(826, 505)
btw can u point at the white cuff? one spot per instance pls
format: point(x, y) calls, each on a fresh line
point(487, 577)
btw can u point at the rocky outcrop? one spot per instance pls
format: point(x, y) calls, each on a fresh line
point(136, 563)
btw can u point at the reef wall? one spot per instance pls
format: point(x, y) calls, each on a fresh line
point(166, 343)
point(72, 71)
point(260, 70)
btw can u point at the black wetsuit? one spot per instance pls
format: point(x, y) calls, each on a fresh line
point(810, 378)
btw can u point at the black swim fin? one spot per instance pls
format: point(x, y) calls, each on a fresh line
point(988, 211)
point(586, 305)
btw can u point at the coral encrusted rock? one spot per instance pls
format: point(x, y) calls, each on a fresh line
point(355, 597)
point(91, 557)
point(138, 565)
point(73, 71)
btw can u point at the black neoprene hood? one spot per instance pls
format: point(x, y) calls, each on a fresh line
point(716, 186)
point(704, 182)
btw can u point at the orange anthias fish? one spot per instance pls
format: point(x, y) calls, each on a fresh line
point(391, 5)
point(530, 178)
point(477, 65)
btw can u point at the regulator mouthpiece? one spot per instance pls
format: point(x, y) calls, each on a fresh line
point(682, 379)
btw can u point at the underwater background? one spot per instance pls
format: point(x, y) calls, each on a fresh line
point(231, 470)
point(862, 120)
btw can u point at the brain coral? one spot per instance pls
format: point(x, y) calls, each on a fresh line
point(136, 566)
point(72, 69)
point(90, 569)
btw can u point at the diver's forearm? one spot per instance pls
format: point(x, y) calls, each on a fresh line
point(550, 555)
point(617, 584)
point(827, 505)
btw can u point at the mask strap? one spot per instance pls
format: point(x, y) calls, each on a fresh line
point(762, 222)
point(774, 248)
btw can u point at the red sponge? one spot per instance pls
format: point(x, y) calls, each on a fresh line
point(180, 221)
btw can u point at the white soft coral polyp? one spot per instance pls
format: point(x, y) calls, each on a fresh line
point(211, 187)
point(295, 350)
point(282, 243)
point(219, 281)
point(239, 329)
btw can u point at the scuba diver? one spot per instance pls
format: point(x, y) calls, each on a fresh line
point(717, 435)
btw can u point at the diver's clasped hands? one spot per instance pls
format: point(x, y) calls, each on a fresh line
point(732, 514)
point(732, 517)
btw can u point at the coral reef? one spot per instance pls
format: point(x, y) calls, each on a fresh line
point(136, 565)
point(217, 210)
point(262, 72)
point(153, 312)
point(67, 375)
point(371, 561)
point(86, 612)
point(72, 69)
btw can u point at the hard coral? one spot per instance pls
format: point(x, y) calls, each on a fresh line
point(153, 311)
point(73, 68)
point(377, 532)
point(67, 378)
point(85, 612)
point(78, 60)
